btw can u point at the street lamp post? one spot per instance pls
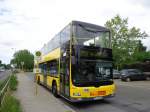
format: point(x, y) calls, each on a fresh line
point(22, 63)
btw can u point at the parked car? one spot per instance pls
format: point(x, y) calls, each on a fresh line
point(2, 70)
point(116, 74)
point(133, 74)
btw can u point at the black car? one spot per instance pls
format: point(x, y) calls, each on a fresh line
point(133, 74)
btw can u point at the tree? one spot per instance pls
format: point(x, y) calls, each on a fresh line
point(125, 40)
point(25, 57)
point(8, 66)
point(0, 62)
point(141, 56)
point(140, 47)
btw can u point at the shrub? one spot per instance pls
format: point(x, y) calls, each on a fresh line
point(13, 82)
point(10, 104)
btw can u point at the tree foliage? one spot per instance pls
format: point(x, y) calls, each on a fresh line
point(5, 66)
point(141, 56)
point(23, 56)
point(125, 41)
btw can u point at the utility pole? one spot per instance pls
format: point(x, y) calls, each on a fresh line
point(37, 70)
point(22, 63)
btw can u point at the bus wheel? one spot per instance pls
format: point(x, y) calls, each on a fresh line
point(38, 80)
point(54, 90)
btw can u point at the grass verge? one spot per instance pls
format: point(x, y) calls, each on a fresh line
point(10, 103)
point(2, 83)
point(13, 83)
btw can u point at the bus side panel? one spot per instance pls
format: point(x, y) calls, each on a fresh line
point(57, 82)
point(41, 78)
point(55, 54)
point(49, 81)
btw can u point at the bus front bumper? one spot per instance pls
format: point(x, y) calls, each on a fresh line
point(91, 99)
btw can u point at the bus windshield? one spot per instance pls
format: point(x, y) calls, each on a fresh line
point(94, 53)
point(91, 72)
point(91, 37)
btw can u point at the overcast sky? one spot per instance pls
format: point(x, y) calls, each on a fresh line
point(28, 24)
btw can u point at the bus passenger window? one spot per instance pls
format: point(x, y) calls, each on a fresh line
point(53, 68)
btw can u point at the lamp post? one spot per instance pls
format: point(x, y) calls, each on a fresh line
point(15, 65)
point(22, 63)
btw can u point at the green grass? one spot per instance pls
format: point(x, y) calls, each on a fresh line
point(2, 83)
point(10, 104)
point(13, 83)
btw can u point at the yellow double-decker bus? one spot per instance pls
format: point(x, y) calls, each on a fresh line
point(77, 63)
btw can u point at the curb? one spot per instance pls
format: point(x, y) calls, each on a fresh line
point(69, 109)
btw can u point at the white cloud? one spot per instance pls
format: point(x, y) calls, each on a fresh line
point(28, 24)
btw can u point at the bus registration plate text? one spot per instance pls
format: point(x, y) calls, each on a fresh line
point(98, 93)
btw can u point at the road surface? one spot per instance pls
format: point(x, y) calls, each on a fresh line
point(4, 74)
point(130, 97)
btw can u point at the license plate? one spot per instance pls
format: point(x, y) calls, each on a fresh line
point(98, 93)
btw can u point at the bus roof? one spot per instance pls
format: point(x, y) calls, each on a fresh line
point(84, 24)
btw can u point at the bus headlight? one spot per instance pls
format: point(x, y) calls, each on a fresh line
point(76, 94)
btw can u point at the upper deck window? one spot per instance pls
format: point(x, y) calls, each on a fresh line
point(89, 35)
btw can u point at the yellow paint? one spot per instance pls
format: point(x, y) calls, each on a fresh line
point(41, 77)
point(58, 83)
point(49, 81)
point(55, 54)
point(110, 89)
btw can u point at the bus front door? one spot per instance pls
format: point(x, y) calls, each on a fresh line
point(64, 73)
point(64, 80)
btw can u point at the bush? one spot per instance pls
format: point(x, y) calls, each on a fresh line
point(15, 71)
point(10, 104)
point(13, 82)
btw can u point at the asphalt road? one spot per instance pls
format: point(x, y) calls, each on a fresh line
point(130, 97)
point(4, 74)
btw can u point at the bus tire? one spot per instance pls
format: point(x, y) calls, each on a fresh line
point(38, 80)
point(54, 89)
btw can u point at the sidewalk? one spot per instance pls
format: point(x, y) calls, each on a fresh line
point(44, 101)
